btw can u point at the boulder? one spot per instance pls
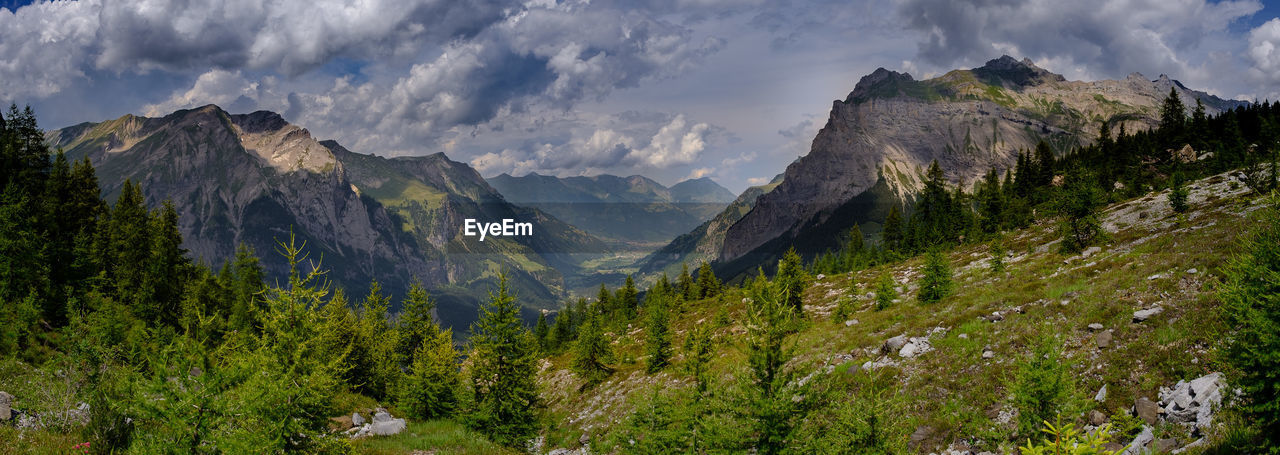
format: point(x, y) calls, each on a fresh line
point(1143, 315)
point(357, 419)
point(1185, 155)
point(387, 427)
point(1097, 418)
point(1090, 251)
point(1165, 445)
point(1103, 339)
point(894, 344)
point(988, 354)
point(1095, 327)
point(1140, 442)
point(6, 406)
point(381, 416)
point(1101, 396)
point(850, 323)
point(1147, 410)
point(340, 424)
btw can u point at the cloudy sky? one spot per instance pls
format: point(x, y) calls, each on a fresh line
point(729, 89)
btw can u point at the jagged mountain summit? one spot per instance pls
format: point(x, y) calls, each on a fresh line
point(623, 209)
point(255, 178)
point(879, 140)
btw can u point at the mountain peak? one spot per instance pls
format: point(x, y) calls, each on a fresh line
point(880, 83)
point(1018, 72)
point(259, 122)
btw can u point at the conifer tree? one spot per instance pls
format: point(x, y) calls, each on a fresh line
point(1250, 296)
point(604, 301)
point(771, 319)
point(1173, 115)
point(685, 284)
point(936, 283)
point(886, 291)
point(379, 344)
point(1078, 206)
point(503, 373)
point(997, 256)
point(246, 289)
point(657, 332)
point(542, 332)
point(792, 281)
point(627, 299)
point(708, 284)
point(892, 235)
point(698, 350)
point(593, 353)
point(430, 390)
point(562, 333)
point(415, 323)
point(1178, 194)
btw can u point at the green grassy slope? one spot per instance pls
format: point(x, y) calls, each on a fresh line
point(1152, 258)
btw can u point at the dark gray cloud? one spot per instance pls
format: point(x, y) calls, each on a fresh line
point(1092, 38)
point(668, 88)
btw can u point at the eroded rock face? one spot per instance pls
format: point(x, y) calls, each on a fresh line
point(888, 130)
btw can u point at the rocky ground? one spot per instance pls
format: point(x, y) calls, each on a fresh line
point(1135, 319)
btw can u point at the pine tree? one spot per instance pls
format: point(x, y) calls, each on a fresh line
point(1250, 296)
point(991, 203)
point(1173, 115)
point(657, 333)
point(685, 284)
point(379, 343)
point(936, 283)
point(503, 374)
point(997, 256)
point(604, 301)
point(246, 288)
point(167, 268)
point(791, 280)
point(542, 332)
point(562, 333)
point(708, 284)
point(853, 249)
point(1078, 206)
point(430, 389)
point(698, 350)
point(627, 299)
point(886, 291)
point(1045, 164)
point(1178, 194)
point(593, 353)
point(129, 236)
point(415, 323)
point(892, 235)
point(771, 319)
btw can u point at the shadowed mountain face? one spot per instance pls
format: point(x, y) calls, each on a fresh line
point(255, 178)
point(878, 141)
point(631, 209)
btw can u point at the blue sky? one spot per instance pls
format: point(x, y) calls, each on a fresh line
point(671, 89)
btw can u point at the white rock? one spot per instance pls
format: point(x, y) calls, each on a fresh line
point(1095, 327)
point(1143, 315)
point(1101, 395)
point(1139, 444)
point(850, 322)
point(357, 419)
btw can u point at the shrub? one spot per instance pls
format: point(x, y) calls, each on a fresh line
point(1041, 388)
point(1250, 295)
point(936, 284)
point(1064, 439)
point(430, 389)
point(886, 291)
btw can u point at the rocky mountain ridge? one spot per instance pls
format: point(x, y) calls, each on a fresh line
point(877, 142)
point(255, 178)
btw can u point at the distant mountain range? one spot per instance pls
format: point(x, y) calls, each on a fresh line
point(878, 141)
point(255, 178)
point(621, 209)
